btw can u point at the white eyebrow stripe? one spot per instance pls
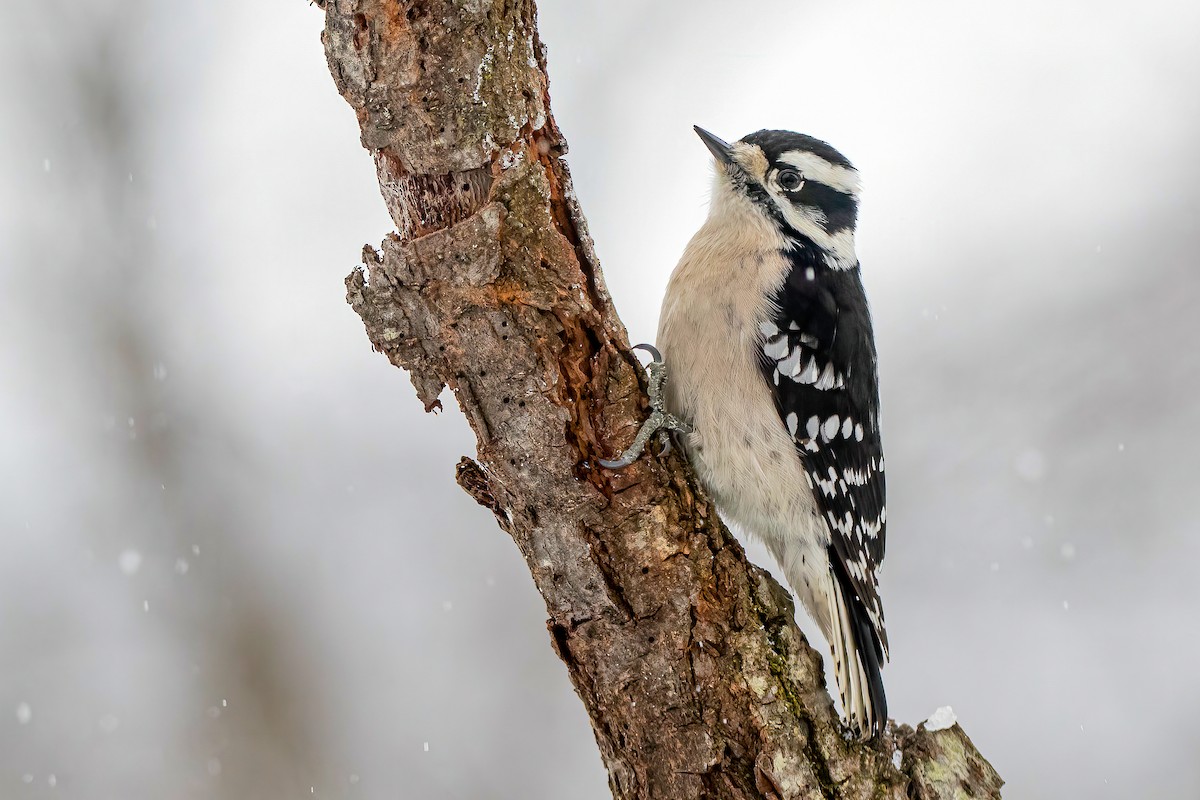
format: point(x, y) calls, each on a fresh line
point(813, 167)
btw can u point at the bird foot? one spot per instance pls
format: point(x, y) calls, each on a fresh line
point(659, 422)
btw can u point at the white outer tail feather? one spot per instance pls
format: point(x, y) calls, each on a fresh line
point(849, 670)
point(822, 596)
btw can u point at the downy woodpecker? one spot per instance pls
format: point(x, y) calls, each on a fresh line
point(773, 387)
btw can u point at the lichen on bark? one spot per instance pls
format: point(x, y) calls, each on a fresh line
point(696, 679)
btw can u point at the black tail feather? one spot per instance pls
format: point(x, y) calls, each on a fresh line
point(867, 642)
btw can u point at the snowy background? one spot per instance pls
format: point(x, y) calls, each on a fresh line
point(233, 559)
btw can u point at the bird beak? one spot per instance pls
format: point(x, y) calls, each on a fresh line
point(719, 148)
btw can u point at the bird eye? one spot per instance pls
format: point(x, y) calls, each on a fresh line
point(790, 180)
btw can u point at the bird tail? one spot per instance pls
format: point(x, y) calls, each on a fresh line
point(857, 656)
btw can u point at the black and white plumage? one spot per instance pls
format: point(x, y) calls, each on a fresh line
point(767, 340)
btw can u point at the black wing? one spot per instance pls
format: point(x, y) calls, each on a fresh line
point(819, 359)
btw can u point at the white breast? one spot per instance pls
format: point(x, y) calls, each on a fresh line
point(709, 334)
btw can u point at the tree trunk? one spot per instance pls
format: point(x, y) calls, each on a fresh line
point(696, 678)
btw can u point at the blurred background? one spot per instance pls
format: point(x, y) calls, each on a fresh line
point(233, 559)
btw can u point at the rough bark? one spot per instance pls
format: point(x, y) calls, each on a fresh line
point(697, 681)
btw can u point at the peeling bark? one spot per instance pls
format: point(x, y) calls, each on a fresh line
point(697, 681)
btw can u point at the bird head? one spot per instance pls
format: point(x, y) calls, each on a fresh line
point(806, 187)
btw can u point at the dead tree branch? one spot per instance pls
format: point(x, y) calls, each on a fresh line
point(697, 681)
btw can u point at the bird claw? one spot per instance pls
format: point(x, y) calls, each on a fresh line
point(659, 422)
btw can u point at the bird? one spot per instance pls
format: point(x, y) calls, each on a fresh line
point(766, 373)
